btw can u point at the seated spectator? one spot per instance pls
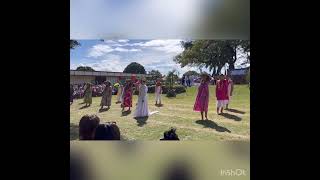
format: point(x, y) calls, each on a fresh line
point(87, 127)
point(170, 135)
point(108, 131)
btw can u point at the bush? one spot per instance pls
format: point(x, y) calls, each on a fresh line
point(171, 93)
point(177, 89)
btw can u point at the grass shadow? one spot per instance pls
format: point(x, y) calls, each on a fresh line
point(212, 125)
point(126, 113)
point(82, 103)
point(83, 107)
point(230, 116)
point(159, 105)
point(235, 111)
point(103, 110)
point(74, 131)
point(141, 120)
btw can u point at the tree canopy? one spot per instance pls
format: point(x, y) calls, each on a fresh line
point(74, 43)
point(85, 68)
point(212, 54)
point(155, 74)
point(135, 68)
point(190, 73)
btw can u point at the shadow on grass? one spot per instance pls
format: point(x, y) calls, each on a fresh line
point(103, 110)
point(126, 113)
point(141, 120)
point(235, 111)
point(74, 132)
point(212, 125)
point(82, 103)
point(159, 105)
point(230, 116)
point(83, 107)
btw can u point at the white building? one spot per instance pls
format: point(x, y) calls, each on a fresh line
point(79, 77)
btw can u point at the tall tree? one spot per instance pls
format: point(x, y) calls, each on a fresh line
point(155, 74)
point(212, 54)
point(190, 73)
point(74, 43)
point(85, 68)
point(135, 68)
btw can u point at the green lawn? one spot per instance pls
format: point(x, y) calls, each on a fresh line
point(176, 112)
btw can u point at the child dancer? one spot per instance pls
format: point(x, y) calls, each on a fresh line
point(158, 92)
point(142, 109)
point(119, 93)
point(106, 95)
point(221, 94)
point(127, 95)
point(202, 100)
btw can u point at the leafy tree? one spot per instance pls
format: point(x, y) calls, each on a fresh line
point(74, 43)
point(212, 54)
point(155, 74)
point(85, 68)
point(135, 68)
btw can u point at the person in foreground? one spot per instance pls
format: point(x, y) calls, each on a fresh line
point(142, 109)
point(170, 135)
point(202, 100)
point(87, 127)
point(108, 131)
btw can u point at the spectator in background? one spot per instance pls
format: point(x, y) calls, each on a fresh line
point(158, 92)
point(71, 93)
point(188, 81)
point(183, 80)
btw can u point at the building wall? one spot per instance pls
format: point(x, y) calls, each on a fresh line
point(81, 79)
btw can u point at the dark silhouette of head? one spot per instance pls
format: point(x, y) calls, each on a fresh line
point(87, 127)
point(170, 135)
point(108, 131)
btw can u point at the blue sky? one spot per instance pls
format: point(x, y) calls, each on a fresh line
point(115, 55)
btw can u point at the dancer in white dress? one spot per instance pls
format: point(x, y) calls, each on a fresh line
point(142, 109)
point(158, 92)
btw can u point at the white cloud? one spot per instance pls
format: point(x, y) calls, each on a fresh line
point(168, 46)
point(102, 49)
point(99, 50)
point(123, 40)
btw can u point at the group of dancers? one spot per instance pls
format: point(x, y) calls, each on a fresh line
point(124, 96)
point(224, 89)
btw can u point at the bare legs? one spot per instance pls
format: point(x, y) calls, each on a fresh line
point(205, 114)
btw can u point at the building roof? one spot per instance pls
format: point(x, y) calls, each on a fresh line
point(104, 73)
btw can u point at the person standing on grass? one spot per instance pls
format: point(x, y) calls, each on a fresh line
point(158, 92)
point(88, 94)
point(202, 100)
point(127, 95)
point(142, 109)
point(230, 90)
point(119, 93)
point(106, 95)
point(221, 93)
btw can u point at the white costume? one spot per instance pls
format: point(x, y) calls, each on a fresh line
point(142, 109)
point(120, 90)
point(158, 93)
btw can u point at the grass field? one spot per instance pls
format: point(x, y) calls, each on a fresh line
point(176, 112)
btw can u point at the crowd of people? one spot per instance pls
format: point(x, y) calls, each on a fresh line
point(91, 129)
